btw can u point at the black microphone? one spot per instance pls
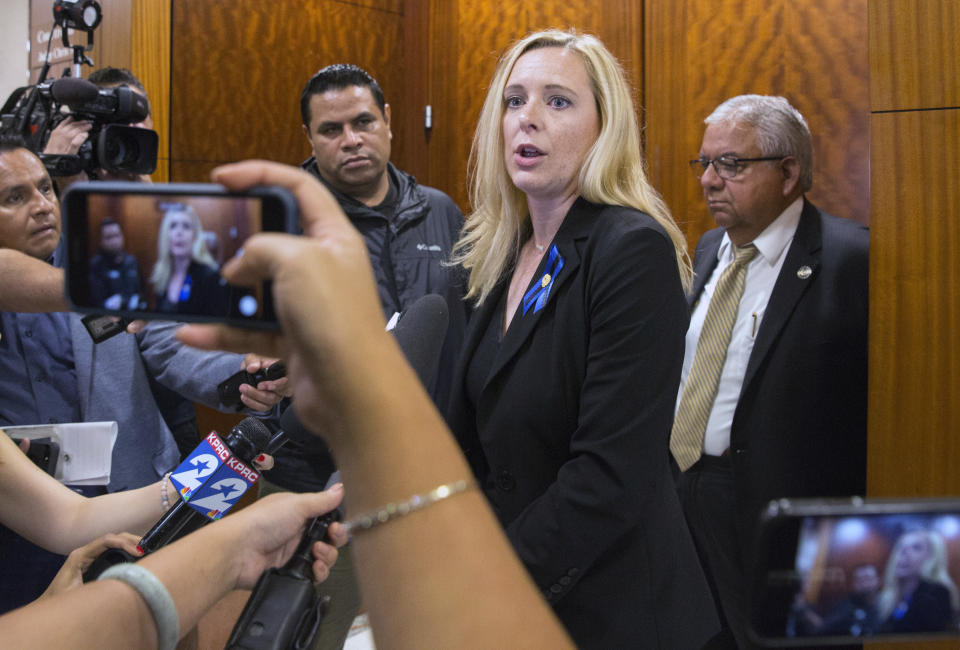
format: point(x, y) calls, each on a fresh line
point(225, 467)
point(420, 332)
point(120, 103)
point(70, 91)
point(284, 611)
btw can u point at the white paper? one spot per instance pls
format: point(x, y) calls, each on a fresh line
point(86, 449)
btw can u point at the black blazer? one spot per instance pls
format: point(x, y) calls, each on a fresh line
point(570, 436)
point(800, 426)
point(209, 294)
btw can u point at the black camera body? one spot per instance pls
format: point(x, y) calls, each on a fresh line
point(112, 145)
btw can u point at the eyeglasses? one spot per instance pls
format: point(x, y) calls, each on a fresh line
point(727, 167)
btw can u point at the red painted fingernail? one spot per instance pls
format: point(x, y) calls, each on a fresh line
point(261, 458)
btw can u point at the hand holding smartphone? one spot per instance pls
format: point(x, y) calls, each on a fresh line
point(154, 251)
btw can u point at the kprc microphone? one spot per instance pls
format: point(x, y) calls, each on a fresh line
point(284, 611)
point(210, 480)
point(224, 465)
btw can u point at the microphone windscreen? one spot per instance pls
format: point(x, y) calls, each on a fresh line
point(420, 333)
point(70, 90)
point(255, 431)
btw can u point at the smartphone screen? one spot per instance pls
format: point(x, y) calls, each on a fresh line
point(831, 573)
point(155, 251)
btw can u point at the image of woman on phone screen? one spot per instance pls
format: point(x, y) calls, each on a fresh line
point(918, 593)
point(185, 278)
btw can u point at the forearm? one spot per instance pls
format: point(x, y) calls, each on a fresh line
point(198, 570)
point(58, 519)
point(192, 373)
point(130, 511)
point(77, 521)
point(106, 615)
point(395, 446)
point(30, 285)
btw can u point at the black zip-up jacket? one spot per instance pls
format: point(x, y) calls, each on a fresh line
point(406, 252)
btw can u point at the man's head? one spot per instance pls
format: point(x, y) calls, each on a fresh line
point(111, 236)
point(29, 210)
point(746, 196)
point(347, 124)
point(866, 580)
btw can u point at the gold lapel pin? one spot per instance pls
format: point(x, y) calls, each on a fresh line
point(804, 272)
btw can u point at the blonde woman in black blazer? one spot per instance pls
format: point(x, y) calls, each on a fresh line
point(564, 395)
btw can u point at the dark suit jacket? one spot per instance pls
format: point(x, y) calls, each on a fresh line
point(569, 438)
point(800, 426)
point(929, 611)
point(208, 294)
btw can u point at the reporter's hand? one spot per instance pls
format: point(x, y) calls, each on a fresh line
point(270, 530)
point(67, 138)
point(266, 394)
point(70, 574)
point(328, 272)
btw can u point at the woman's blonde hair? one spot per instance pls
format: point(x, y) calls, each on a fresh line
point(199, 253)
point(934, 569)
point(613, 172)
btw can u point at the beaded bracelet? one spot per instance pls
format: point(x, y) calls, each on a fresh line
point(418, 501)
point(163, 492)
point(155, 595)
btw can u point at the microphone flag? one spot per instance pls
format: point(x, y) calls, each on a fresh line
point(200, 465)
point(211, 479)
point(222, 490)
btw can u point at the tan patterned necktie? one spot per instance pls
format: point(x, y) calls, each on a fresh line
point(690, 424)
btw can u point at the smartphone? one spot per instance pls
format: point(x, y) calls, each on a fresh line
point(830, 572)
point(44, 452)
point(154, 251)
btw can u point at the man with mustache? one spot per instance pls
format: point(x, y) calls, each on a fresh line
point(409, 230)
point(773, 390)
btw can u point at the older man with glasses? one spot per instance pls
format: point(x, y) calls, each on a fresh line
point(773, 390)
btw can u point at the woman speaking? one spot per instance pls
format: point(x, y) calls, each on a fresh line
point(185, 277)
point(564, 395)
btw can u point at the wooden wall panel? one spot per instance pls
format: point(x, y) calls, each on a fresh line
point(112, 44)
point(916, 65)
point(463, 43)
point(814, 53)
point(238, 68)
point(913, 446)
point(915, 304)
point(150, 62)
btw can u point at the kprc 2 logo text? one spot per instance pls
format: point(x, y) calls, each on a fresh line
point(223, 488)
point(200, 465)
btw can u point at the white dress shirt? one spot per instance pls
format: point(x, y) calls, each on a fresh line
point(762, 272)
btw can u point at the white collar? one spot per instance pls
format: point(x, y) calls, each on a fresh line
point(773, 241)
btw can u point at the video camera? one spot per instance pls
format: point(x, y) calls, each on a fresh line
point(33, 112)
